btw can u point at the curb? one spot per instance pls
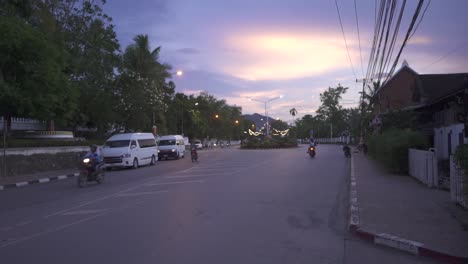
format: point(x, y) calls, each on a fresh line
point(42, 180)
point(416, 248)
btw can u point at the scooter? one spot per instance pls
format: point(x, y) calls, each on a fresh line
point(311, 152)
point(88, 175)
point(194, 154)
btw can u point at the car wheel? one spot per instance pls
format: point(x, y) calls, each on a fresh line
point(153, 160)
point(135, 163)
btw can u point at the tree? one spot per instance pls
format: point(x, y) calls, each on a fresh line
point(32, 78)
point(293, 112)
point(143, 90)
point(330, 110)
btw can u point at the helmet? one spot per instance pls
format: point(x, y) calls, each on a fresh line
point(93, 146)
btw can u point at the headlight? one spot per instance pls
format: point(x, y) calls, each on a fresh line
point(86, 160)
point(127, 155)
point(158, 151)
point(173, 150)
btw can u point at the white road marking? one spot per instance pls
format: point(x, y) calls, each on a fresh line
point(82, 212)
point(189, 176)
point(139, 193)
point(61, 177)
point(44, 180)
point(93, 201)
point(178, 182)
point(24, 223)
point(51, 230)
point(20, 184)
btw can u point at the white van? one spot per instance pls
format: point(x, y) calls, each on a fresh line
point(130, 150)
point(172, 146)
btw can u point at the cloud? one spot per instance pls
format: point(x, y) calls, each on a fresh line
point(419, 40)
point(279, 56)
point(188, 51)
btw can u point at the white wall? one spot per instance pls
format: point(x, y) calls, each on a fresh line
point(441, 140)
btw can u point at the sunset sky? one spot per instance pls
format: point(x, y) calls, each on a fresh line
point(262, 49)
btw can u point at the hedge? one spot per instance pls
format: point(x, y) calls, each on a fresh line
point(34, 143)
point(391, 148)
point(461, 157)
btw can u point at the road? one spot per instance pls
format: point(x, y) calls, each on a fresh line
point(233, 206)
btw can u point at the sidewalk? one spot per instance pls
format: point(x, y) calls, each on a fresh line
point(40, 177)
point(400, 206)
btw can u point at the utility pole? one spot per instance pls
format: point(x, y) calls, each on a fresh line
point(363, 81)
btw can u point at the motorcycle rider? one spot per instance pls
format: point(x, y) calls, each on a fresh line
point(93, 155)
point(347, 150)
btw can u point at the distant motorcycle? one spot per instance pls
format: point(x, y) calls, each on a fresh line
point(347, 151)
point(311, 152)
point(88, 173)
point(194, 154)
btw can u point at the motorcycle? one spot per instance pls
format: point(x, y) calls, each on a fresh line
point(347, 151)
point(311, 152)
point(88, 174)
point(194, 154)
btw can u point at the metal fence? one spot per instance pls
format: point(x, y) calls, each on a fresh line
point(335, 140)
point(18, 123)
point(423, 166)
point(458, 184)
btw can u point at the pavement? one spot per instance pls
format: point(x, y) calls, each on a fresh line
point(233, 206)
point(400, 212)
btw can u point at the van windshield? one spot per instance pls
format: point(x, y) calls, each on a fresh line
point(117, 143)
point(167, 142)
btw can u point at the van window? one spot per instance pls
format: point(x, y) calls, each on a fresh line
point(167, 142)
point(117, 144)
point(146, 143)
point(133, 143)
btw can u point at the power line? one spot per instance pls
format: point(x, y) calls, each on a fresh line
point(407, 37)
point(446, 55)
point(422, 16)
point(359, 37)
point(344, 37)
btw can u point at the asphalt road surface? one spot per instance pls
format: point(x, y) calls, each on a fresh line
point(233, 206)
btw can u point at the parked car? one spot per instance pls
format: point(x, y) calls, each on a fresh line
point(198, 144)
point(171, 146)
point(130, 150)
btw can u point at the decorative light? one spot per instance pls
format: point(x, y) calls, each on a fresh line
point(253, 133)
point(282, 133)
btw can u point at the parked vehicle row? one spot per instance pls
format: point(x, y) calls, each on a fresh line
point(136, 149)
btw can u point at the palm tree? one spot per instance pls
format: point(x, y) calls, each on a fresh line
point(293, 112)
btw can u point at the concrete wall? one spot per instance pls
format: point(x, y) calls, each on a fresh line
point(23, 161)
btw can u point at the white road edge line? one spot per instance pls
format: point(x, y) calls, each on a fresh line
point(44, 180)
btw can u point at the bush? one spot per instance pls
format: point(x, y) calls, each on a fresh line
point(34, 143)
point(461, 157)
point(270, 144)
point(391, 148)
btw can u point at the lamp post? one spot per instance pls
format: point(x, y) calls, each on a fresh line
point(265, 103)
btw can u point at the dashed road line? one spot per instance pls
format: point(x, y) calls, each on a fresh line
point(177, 182)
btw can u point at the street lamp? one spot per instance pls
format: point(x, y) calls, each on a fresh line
point(265, 103)
point(179, 73)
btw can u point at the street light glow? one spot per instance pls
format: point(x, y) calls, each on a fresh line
point(179, 73)
point(237, 121)
point(216, 116)
point(196, 104)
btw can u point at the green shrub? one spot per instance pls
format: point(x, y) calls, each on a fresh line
point(34, 143)
point(391, 148)
point(270, 144)
point(461, 157)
